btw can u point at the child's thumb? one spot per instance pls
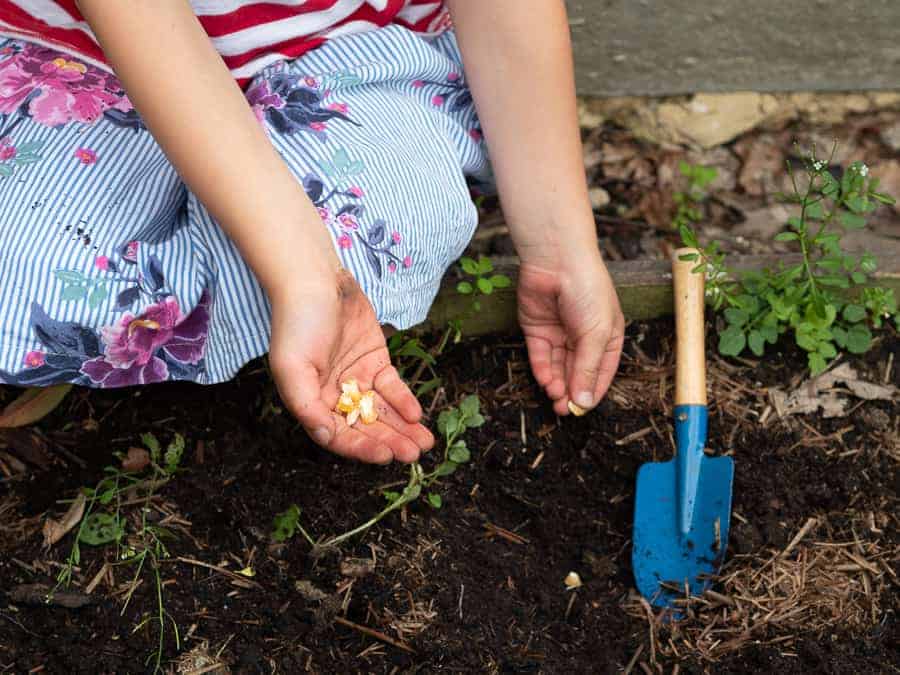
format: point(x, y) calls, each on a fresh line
point(302, 394)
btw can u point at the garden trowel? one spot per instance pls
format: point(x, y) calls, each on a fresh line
point(683, 507)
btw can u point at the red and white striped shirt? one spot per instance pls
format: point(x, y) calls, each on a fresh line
point(248, 34)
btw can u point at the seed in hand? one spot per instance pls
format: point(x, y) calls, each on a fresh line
point(576, 409)
point(356, 405)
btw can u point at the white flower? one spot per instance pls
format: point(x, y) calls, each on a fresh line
point(863, 170)
point(818, 165)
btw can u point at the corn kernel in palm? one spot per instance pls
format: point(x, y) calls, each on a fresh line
point(367, 411)
point(351, 388)
point(345, 403)
point(352, 416)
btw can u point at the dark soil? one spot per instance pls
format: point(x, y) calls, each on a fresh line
point(485, 602)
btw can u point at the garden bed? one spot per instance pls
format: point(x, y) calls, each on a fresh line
point(476, 586)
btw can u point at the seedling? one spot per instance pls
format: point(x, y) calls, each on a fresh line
point(691, 200)
point(818, 301)
point(452, 424)
point(138, 542)
point(482, 281)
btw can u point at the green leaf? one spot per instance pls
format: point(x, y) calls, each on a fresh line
point(476, 306)
point(795, 222)
point(867, 263)
point(859, 339)
point(816, 363)
point(410, 493)
point(838, 280)
point(815, 211)
point(501, 281)
point(445, 468)
point(485, 286)
point(174, 453)
point(391, 496)
point(428, 386)
point(459, 453)
point(757, 342)
point(70, 276)
point(787, 236)
point(448, 422)
point(434, 500)
point(470, 405)
point(827, 350)
point(469, 266)
point(851, 221)
point(736, 317)
point(73, 292)
point(153, 446)
point(101, 528)
point(107, 496)
point(732, 341)
point(474, 421)
point(414, 349)
point(688, 257)
point(284, 525)
point(770, 333)
point(98, 295)
point(883, 198)
point(485, 265)
point(464, 287)
point(854, 313)
point(858, 277)
point(840, 336)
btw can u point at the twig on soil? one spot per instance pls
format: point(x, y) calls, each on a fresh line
point(244, 581)
point(495, 530)
point(378, 635)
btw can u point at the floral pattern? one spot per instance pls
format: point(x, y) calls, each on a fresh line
point(157, 344)
point(48, 87)
point(452, 95)
point(378, 240)
point(293, 104)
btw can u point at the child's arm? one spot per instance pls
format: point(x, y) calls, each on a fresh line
point(519, 66)
point(322, 325)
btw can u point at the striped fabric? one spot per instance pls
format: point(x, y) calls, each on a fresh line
point(249, 34)
point(112, 273)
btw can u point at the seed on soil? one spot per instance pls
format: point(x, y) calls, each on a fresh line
point(572, 581)
point(576, 409)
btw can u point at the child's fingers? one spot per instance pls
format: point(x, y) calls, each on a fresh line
point(303, 397)
point(417, 433)
point(403, 448)
point(539, 351)
point(353, 444)
point(557, 387)
point(609, 364)
point(584, 367)
point(397, 395)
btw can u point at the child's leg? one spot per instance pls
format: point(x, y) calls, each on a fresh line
point(89, 208)
point(380, 129)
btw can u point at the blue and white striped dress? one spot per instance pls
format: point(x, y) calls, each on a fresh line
point(111, 271)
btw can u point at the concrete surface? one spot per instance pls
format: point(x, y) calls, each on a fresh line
point(660, 47)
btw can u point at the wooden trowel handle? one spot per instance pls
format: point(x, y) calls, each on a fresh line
point(690, 355)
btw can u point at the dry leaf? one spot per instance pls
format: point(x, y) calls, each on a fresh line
point(820, 392)
point(33, 405)
point(56, 530)
point(136, 460)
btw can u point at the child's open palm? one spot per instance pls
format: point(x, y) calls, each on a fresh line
point(326, 338)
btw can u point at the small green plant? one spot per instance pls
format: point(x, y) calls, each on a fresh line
point(408, 354)
point(481, 280)
point(286, 524)
point(690, 201)
point(819, 301)
point(138, 542)
point(452, 424)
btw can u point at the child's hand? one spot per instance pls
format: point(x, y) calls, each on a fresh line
point(322, 337)
point(573, 328)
